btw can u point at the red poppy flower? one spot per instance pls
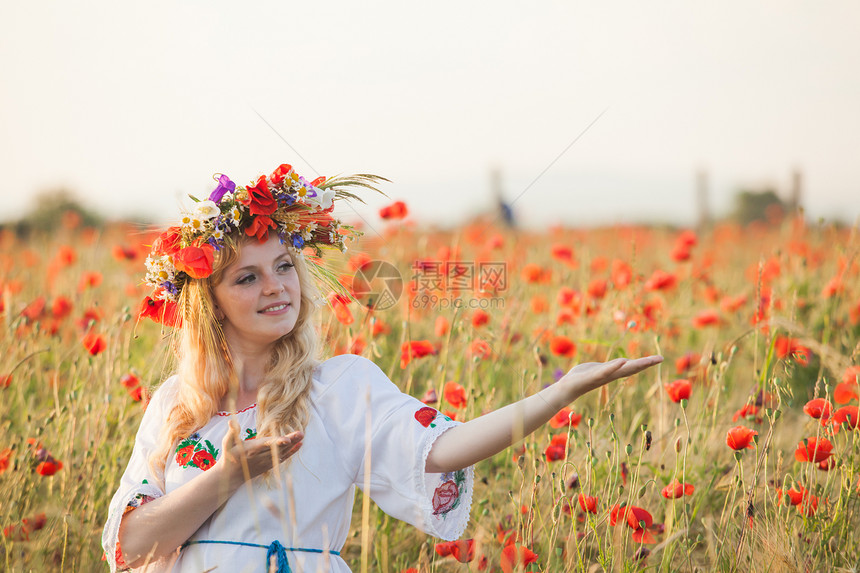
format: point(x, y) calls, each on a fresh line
point(845, 392)
point(851, 375)
point(89, 279)
point(430, 396)
point(35, 310)
point(480, 318)
point(538, 304)
point(679, 390)
point(563, 253)
point(790, 347)
point(555, 450)
point(260, 200)
point(740, 437)
point(444, 548)
point(562, 346)
point(687, 361)
point(94, 343)
point(415, 349)
point(845, 415)
point(676, 489)
point(705, 318)
point(167, 242)
point(5, 456)
point(129, 380)
point(442, 326)
point(341, 310)
point(661, 280)
point(514, 555)
point(281, 171)
point(455, 395)
point(396, 210)
point(259, 227)
point(680, 253)
point(463, 550)
point(61, 307)
point(733, 303)
point(564, 418)
point(49, 468)
point(588, 503)
point(640, 521)
point(123, 253)
point(597, 288)
point(203, 460)
point(794, 496)
point(808, 506)
point(137, 394)
point(480, 348)
point(818, 408)
point(749, 412)
point(813, 450)
point(568, 297)
point(196, 262)
point(533, 273)
point(5, 380)
point(160, 311)
point(621, 274)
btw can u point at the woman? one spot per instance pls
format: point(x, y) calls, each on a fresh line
point(249, 456)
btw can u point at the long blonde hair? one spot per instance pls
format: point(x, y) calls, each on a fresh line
point(207, 374)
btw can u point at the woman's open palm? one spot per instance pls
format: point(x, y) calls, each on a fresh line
point(250, 458)
point(585, 377)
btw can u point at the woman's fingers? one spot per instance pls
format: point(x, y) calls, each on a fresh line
point(631, 367)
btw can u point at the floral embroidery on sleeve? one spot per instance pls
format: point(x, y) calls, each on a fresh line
point(191, 452)
point(426, 416)
point(134, 503)
point(250, 433)
point(447, 496)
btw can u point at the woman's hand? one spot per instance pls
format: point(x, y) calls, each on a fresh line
point(246, 459)
point(588, 376)
point(489, 434)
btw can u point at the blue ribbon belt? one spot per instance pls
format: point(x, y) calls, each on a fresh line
point(274, 549)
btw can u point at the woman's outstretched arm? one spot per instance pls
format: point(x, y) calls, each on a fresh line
point(491, 433)
point(157, 528)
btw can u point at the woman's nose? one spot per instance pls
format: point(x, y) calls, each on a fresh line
point(272, 285)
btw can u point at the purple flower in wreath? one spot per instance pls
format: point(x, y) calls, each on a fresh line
point(224, 186)
point(298, 241)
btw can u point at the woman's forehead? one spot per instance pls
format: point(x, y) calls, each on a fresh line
point(260, 252)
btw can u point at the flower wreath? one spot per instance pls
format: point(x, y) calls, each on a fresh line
point(284, 203)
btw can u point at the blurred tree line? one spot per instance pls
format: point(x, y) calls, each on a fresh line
point(51, 210)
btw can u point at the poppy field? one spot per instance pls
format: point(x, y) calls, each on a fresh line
point(738, 453)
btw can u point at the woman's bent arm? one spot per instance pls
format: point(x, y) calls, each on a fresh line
point(491, 433)
point(157, 528)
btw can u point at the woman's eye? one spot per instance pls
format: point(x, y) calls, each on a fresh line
point(245, 280)
point(284, 267)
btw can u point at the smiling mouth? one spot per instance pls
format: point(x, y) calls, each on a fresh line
point(274, 308)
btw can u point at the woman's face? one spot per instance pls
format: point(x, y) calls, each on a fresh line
point(259, 296)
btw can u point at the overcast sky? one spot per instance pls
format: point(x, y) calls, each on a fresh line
point(135, 105)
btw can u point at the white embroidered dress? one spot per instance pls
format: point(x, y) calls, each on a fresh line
point(312, 506)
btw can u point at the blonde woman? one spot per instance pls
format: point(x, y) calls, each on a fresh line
point(248, 457)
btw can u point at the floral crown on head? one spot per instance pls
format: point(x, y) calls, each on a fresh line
point(284, 203)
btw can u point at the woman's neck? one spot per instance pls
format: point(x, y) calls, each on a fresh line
point(250, 369)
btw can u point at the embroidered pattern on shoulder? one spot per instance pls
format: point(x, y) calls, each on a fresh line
point(426, 416)
point(192, 453)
